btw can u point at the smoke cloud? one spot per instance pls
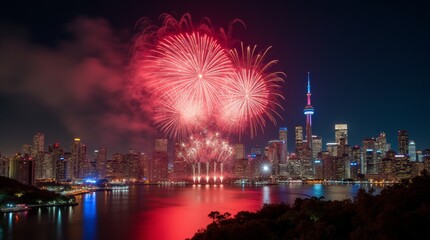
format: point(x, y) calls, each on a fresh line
point(84, 80)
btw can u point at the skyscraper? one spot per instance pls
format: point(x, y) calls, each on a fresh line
point(38, 143)
point(101, 161)
point(160, 160)
point(316, 146)
point(309, 111)
point(341, 131)
point(402, 139)
point(283, 136)
point(299, 141)
point(239, 151)
point(412, 151)
point(381, 143)
point(179, 164)
point(78, 163)
point(369, 153)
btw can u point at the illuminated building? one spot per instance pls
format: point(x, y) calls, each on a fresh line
point(332, 148)
point(306, 152)
point(130, 165)
point(342, 147)
point(180, 165)
point(144, 166)
point(283, 137)
point(76, 164)
point(420, 156)
point(160, 160)
point(43, 166)
point(341, 131)
point(240, 167)
point(402, 139)
point(4, 166)
point(309, 111)
point(356, 163)
point(299, 141)
point(316, 146)
point(274, 154)
point(402, 167)
point(101, 161)
point(387, 168)
point(426, 159)
point(61, 166)
point(22, 169)
point(113, 167)
point(239, 151)
point(318, 163)
point(369, 156)
point(381, 143)
point(294, 166)
point(38, 144)
point(58, 163)
point(26, 149)
point(412, 151)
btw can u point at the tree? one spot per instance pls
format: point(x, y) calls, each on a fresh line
point(214, 215)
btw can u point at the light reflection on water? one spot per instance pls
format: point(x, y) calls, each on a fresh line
point(155, 212)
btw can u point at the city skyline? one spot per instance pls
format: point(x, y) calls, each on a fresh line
point(367, 70)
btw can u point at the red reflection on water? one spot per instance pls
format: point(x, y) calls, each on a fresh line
point(181, 217)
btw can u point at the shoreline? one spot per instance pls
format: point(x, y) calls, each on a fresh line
point(36, 206)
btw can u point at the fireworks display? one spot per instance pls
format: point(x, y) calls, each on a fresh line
point(207, 150)
point(195, 83)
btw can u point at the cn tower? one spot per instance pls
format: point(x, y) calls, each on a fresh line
point(308, 111)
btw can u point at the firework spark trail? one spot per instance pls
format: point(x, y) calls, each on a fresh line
point(204, 147)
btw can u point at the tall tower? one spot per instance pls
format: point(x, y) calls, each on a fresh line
point(308, 111)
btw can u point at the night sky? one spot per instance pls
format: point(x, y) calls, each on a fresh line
point(63, 67)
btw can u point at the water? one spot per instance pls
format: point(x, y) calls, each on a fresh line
point(154, 212)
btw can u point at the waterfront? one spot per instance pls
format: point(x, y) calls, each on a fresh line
point(155, 212)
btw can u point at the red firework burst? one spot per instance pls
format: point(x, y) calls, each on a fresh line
point(195, 83)
point(251, 93)
point(191, 66)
